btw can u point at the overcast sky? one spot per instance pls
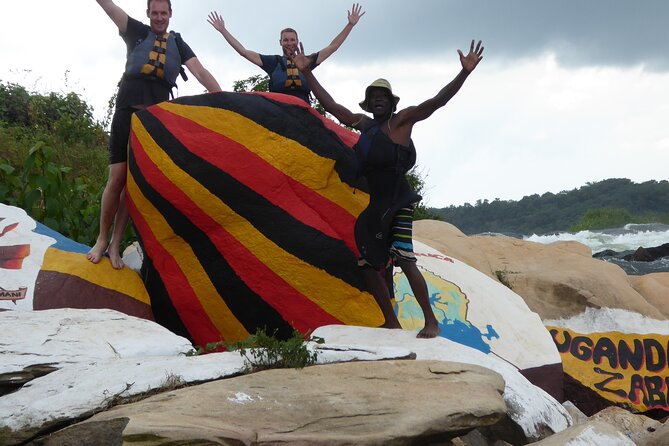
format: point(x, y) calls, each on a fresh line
point(568, 92)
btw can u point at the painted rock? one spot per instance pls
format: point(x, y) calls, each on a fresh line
point(41, 269)
point(246, 204)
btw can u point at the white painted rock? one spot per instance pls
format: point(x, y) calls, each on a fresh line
point(476, 311)
point(40, 269)
point(104, 356)
point(22, 252)
point(72, 336)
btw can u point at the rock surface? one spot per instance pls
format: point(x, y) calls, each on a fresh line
point(643, 254)
point(557, 280)
point(634, 427)
point(655, 288)
point(99, 363)
point(390, 402)
point(73, 336)
point(78, 362)
point(530, 409)
point(59, 367)
point(100, 360)
point(590, 433)
point(658, 438)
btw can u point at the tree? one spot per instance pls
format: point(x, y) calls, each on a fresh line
point(252, 83)
point(608, 203)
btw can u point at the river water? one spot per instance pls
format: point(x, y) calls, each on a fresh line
point(624, 240)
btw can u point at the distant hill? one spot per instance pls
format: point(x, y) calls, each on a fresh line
point(615, 201)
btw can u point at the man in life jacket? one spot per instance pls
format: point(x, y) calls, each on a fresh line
point(154, 60)
point(283, 74)
point(385, 152)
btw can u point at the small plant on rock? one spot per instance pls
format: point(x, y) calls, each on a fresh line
point(263, 351)
point(502, 277)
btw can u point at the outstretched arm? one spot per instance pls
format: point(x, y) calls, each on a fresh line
point(353, 16)
point(343, 114)
point(422, 111)
point(219, 24)
point(203, 75)
point(118, 16)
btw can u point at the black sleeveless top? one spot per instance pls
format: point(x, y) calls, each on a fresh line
point(384, 165)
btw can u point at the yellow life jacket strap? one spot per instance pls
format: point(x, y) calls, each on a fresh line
point(293, 80)
point(157, 57)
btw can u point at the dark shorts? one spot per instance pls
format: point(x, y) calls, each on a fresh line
point(120, 135)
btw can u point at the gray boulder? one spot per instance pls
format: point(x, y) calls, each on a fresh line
point(362, 403)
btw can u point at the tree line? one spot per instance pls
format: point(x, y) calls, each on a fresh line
point(605, 204)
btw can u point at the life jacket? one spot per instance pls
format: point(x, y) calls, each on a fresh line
point(364, 144)
point(155, 58)
point(286, 77)
point(404, 157)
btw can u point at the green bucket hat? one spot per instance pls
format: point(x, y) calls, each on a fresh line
point(379, 83)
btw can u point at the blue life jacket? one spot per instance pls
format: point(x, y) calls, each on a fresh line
point(155, 58)
point(289, 80)
point(364, 144)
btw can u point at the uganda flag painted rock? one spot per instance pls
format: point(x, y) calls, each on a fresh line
point(245, 205)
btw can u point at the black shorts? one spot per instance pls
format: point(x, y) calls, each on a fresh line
point(120, 135)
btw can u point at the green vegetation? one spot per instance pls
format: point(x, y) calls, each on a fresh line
point(502, 277)
point(614, 218)
point(416, 180)
point(61, 121)
point(46, 191)
point(53, 156)
point(605, 204)
point(263, 351)
point(258, 82)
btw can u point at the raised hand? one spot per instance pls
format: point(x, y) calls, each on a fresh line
point(471, 60)
point(354, 14)
point(216, 21)
point(302, 62)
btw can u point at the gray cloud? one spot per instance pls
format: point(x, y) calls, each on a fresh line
point(579, 32)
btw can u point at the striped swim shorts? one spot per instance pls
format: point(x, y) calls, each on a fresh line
point(401, 243)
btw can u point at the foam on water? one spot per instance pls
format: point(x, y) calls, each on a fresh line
point(628, 238)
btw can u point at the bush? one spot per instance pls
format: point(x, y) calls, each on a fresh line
point(53, 160)
point(603, 218)
point(43, 188)
point(263, 351)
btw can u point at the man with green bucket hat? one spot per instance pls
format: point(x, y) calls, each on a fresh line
point(385, 154)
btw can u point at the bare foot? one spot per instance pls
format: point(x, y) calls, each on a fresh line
point(97, 251)
point(430, 331)
point(115, 256)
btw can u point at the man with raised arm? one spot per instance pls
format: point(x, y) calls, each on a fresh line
point(284, 75)
point(385, 153)
point(154, 60)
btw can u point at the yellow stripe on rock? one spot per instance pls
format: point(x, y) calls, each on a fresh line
point(124, 281)
point(215, 307)
point(287, 155)
point(338, 298)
